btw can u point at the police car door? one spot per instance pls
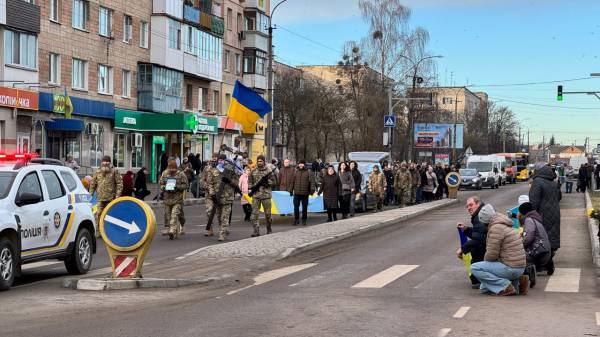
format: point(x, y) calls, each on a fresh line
point(57, 205)
point(30, 212)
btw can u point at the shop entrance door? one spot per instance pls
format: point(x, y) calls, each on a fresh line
point(158, 147)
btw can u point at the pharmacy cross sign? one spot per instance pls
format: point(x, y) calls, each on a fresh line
point(191, 122)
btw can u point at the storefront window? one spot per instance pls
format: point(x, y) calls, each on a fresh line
point(96, 148)
point(119, 150)
point(137, 156)
point(38, 136)
point(72, 146)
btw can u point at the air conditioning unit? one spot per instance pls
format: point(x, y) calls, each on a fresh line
point(94, 128)
point(242, 35)
point(138, 139)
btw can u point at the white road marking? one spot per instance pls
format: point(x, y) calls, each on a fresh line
point(564, 280)
point(598, 318)
point(386, 277)
point(273, 275)
point(461, 312)
point(293, 285)
point(39, 264)
point(444, 332)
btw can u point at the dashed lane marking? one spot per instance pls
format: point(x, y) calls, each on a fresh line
point(461, 312)
point(273, 275)
point(444, 332)
point(385, 277)
point(564, 280)
point(598, 318)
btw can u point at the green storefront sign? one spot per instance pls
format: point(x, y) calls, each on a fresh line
point(207, 125)
point(146, 121)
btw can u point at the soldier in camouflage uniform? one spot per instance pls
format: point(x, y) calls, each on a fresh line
point(262, 195)
point(415, 182)
point(210, 211)
point(225, 183)
point(173, 184)
point(402, 185)
point(107, 183)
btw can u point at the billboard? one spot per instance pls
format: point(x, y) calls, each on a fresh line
point(438, 136)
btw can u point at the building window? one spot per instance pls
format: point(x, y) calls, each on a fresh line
point(127, 28)
point(126, 84)
point(190, 40)
point(105, 22)
point(447, 100)
point(238, 64)
point(79, 74)
point(137, 159)
point(226, 60)
point(54, 10)
point(229, 18)
point(105, 79)
point(227, 101)
point(20, 49)
point(215, 102)
point(255, 61)
point(249, 23)
point(202, 98)
point(54, 71)
point(119, 150)
point(144, 34)
point(95, 137)
point(80, 14)
point(261, 60)
point(189, 92)
point(174, 35)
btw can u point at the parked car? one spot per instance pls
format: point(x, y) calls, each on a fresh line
point(470, 178)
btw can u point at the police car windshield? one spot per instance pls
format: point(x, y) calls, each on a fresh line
point(6, 180)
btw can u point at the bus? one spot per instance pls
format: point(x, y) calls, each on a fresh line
point(523, 167)
point(516, 166)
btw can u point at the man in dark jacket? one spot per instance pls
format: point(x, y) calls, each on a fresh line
point(301, 186)
point(544, 197)
point(286, 175)
point(477, 235)
point(357, 176)
point(388, 173)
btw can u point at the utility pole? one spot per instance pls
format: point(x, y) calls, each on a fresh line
point(455, 122)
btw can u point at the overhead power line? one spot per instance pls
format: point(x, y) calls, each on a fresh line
point(311, 40)
point(530, 83)
point(543, 105)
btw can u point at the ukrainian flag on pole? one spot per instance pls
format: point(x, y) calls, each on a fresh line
point(246, 107)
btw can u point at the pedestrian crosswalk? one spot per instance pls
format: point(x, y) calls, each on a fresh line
point(365, 276)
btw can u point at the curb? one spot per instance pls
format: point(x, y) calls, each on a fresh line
point(593, 228)
point(362, 230)
point(101, 284)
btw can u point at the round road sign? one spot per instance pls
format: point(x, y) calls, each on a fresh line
point(453, 179)
point(126, 223)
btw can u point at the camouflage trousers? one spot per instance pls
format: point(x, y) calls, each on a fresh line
point(223, 213)
point(210, 212)
point(256, 203)
point(174, 216)
point(101, 205)
point(404, 196)
point(413, 195)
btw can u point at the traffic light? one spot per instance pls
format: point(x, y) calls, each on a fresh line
point(559, 96)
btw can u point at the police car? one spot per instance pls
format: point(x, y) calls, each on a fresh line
point(45, 213)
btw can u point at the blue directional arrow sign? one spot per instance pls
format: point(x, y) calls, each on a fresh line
point(125, 223)
point(453, 179)
point(389, 121)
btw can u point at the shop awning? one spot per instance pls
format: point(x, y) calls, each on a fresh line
point(64, 124)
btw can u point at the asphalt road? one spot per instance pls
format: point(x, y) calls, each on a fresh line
point(400, 281)
point(164, 249)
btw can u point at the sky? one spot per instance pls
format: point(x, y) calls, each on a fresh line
point(487, 44)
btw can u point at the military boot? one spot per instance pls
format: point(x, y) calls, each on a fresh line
point(269, 230)
point(209, 232)
point(172, 233)
point(181, 231)
point(256, 232)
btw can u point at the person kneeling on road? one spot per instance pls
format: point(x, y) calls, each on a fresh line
point(535, 241)
point(476, 234)
point(501, 272)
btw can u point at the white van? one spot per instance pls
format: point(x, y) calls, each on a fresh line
point(366, 160)
point(489, 167)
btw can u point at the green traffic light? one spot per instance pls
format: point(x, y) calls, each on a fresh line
point(560, 98)
point(559, 95)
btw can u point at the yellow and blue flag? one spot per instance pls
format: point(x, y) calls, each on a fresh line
point(283, 203)
point(466, 257)
point(246, 107)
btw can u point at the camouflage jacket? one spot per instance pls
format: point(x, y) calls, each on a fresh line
point(402, 180)
point(108, 186)
point(213, 183)
point(416, 178)
point(255, 176)
point(181, 185)
point(187, 169)
point(377, 183)
point(204, 176)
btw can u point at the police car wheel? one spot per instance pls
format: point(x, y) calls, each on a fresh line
point(80, 259)
point(7, 263)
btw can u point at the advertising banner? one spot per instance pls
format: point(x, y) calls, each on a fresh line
point(438, 136)
point(442, 158)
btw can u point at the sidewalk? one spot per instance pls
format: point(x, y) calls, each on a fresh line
point(225, 261)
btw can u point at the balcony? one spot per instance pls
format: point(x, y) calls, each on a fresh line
point(259, 4)
point(208, 21)
point(255, 81)
point(255, 39)
point(170, 7)
point(22, 15)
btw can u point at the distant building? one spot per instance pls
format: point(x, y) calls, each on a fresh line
point(455, 100)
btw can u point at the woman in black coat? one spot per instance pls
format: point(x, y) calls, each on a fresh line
point(331, 188)
point(140, 187)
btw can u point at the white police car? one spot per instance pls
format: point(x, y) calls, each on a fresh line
point(45, 213)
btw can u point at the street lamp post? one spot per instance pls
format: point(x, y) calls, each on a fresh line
point(269, 131)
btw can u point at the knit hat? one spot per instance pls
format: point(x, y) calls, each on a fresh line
point(525, 208)
point(486, 213)
point(302, 161)
point(523, 199)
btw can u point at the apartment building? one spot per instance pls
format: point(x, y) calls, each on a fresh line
point(459, 100)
